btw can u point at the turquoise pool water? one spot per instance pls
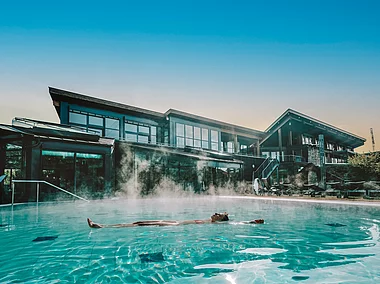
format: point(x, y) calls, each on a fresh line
point(299, 242)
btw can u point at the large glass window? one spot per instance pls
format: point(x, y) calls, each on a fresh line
point(129, 127)
point(329, 146)
point(96, 124)
point(214, 136)
point(243, 149)
point(131, 137)
point(89, 174)
point(189, 135)
point(193, 136)
point(166, 136)
point(230, 147)
point(180, 135)
point(144, 129)
point(140, 133)
point(95, 120)
point(112, 123)
point(180, 130)
point(112, 128)
point(112, 133)
point(143, 139)
point(205, 142)
point(77, 172)
point(57, 168)
point(153, 135)
point(14, 169)
point(214, 140)
point(189, 131)
point(307, 140)
point(205, 134)
point(189, 142)
point(180, 142)
point(197, 137)
point(197, 143)
point(197, 133)
point(78, 118)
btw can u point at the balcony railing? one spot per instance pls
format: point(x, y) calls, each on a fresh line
point(158, 144)
point(293, 158)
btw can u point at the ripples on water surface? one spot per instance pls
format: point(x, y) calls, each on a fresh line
point(294, 245)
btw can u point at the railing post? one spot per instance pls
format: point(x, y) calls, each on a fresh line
point(38, 191)
point(278, 176)
point(13, 192)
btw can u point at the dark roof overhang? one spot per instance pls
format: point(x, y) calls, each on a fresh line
point(50, 129)
point(9, 133)
point(59, 95)
point(101, 142)
point(40, 131)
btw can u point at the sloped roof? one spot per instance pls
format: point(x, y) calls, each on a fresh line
point(17, 132)
point(64, 95)
point(10, 132)
point(351, 139)
point(68, 96)
point(223, 125)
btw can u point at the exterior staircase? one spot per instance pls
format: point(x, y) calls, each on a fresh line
point(266, 169)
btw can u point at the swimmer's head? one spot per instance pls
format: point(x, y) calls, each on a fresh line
point(219, 217)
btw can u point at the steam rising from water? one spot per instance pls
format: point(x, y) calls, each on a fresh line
point(134, 169)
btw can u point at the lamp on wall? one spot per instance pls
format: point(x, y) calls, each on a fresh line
point(253, 172)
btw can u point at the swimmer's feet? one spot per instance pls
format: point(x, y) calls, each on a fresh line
point(92, 224)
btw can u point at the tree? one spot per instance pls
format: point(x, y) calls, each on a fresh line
point(368, 163)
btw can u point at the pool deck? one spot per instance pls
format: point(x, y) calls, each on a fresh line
point(294, 198)
point(330, 200)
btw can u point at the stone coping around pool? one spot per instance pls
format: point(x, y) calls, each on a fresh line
point(329, 199)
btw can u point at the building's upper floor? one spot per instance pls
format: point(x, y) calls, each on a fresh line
point(172, 128)
point(291, 132)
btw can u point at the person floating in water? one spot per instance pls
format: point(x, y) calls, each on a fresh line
point(216, 218)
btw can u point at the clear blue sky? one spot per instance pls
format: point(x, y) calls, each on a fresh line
point(243, 62)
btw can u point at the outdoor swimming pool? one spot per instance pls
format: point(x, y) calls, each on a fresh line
point(299, 242)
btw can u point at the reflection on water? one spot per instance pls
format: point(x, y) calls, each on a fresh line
point(293, 245)
point(263, 251)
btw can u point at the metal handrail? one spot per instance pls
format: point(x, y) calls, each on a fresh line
point(38, 189)
point(273, 163)
point(338, 177)
point(263, 164)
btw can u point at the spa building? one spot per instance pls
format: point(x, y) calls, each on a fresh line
point(101, 146)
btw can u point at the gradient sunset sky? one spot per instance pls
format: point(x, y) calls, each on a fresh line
point(242, 62)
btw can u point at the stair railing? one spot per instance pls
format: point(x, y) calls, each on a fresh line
point(38, 182)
